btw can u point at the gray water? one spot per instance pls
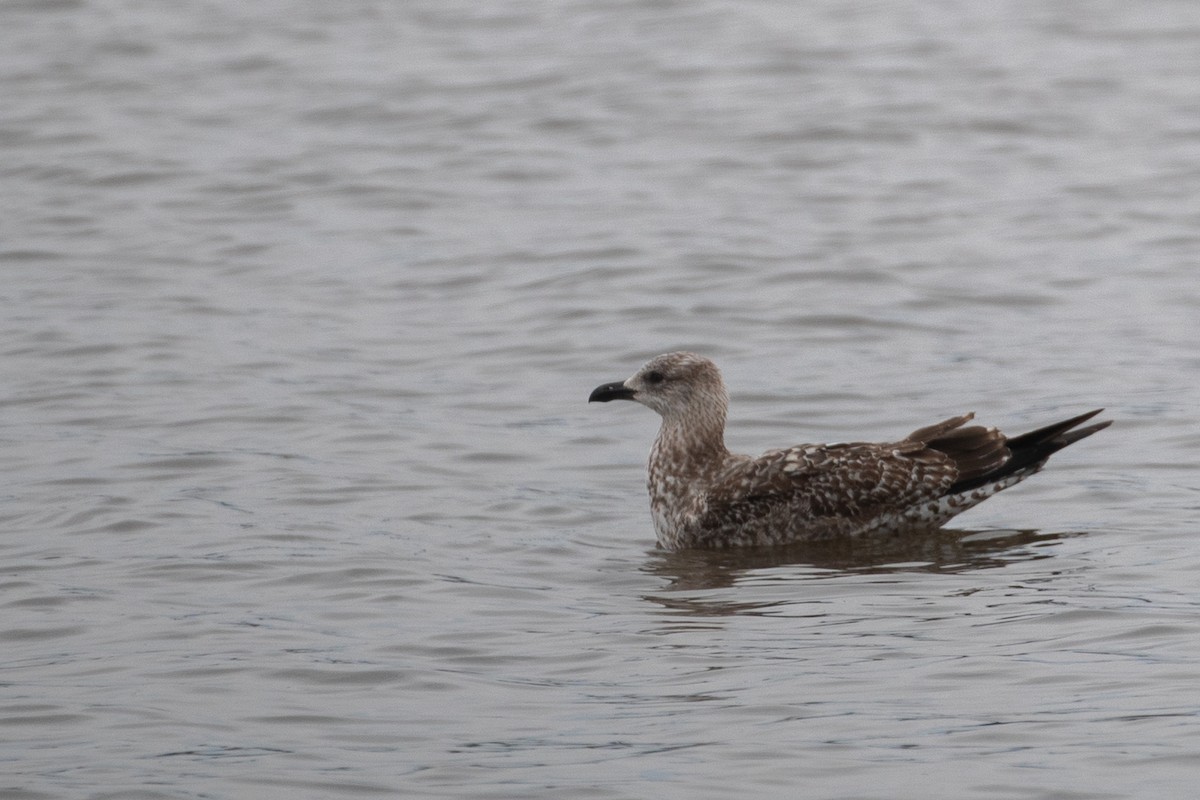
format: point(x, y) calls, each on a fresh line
point(302, 303)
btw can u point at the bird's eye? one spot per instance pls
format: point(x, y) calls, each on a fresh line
point(655, 377)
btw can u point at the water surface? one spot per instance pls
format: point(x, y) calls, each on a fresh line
point(302, 304)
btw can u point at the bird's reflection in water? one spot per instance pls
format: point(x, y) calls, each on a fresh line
point(937, 551)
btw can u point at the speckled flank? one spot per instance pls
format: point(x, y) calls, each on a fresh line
point(703, 496)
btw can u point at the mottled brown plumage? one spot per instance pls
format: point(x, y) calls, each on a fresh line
point(701, 495)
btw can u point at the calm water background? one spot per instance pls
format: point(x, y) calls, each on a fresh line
point(302, 302)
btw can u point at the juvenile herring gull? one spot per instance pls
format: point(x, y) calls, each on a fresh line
point(703, 496)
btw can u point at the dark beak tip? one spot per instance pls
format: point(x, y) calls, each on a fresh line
point(611, 391)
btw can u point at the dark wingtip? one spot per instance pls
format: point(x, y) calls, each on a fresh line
point(1030, 450)
point(1054, 431)
point(1070, 437)
point(611, 391)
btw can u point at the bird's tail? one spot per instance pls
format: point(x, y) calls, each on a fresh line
point(1029, 451)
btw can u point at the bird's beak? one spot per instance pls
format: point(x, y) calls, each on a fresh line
point(611, 391)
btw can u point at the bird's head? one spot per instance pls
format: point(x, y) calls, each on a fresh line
point(676, 385)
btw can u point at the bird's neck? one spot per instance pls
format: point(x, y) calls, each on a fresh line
point(695, 444)
point(687, 455)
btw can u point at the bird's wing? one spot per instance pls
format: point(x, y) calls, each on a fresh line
point(839, 482)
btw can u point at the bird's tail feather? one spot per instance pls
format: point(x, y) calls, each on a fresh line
point(1030, 450)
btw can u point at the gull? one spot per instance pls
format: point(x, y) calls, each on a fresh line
point(703, 496)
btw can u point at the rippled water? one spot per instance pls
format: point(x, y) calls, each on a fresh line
point(302, 303)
